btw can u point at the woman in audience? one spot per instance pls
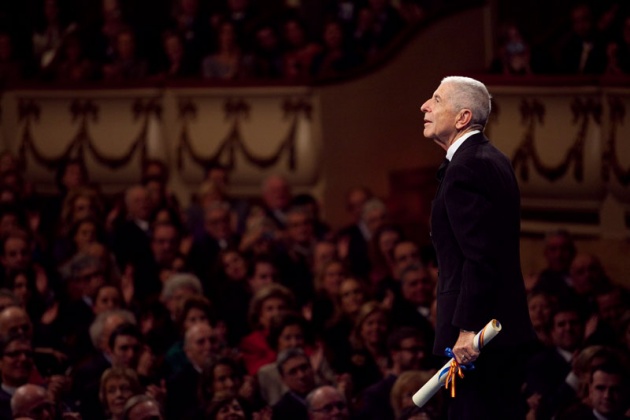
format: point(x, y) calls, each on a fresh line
point(299, 52)
point(541, 306)
point(228, 62)
point(269, 302)
point(407, 384)
point(352, 294)
point(336, 57)
point(22, 283)
point(117, 386)
point(227, 406)
point(106, 298)
point(226, 375)
point(326, 291)
point(80, 203)
point(366, 357)
point(176, 62)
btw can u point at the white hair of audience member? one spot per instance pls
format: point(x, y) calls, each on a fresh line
point(180, 281)
point(371, 205)
point(96, 329)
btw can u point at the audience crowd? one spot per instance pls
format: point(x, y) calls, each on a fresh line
point(593, 38)
point(133, 306)
point(134, 40)
point(68, 41)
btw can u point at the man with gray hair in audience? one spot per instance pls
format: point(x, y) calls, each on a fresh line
point(373, 216)
point(201, 346)
point(176, 289)
point(217, 236)
point(276, 195)
point(86, 377)
point(297, 374)
point(83, 275)
point(131, 236)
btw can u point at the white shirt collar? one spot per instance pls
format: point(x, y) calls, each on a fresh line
point(566, 355)
point(599, 416)
point(453, 147)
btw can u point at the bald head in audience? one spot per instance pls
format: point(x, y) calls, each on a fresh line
point(14, 320)
point(32, 402)
point(200, 344)
point(326, 402)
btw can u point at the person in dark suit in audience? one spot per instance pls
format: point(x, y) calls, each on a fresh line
point(408, 350)
point(200, 345)
point(608, 392)
point(547, 369)
point(297, 374)
point(16, 366)
point(475, 228)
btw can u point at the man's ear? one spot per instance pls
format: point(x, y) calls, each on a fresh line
point(464, 117)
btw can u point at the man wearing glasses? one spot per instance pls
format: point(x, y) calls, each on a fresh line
point(16, 365)
point(327, 403)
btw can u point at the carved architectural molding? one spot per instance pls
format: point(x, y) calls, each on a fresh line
point(85, 112)
point(610, 159)
point(237, 110)
point(533, 114)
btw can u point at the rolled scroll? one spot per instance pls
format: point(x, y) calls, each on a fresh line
point(438, 380)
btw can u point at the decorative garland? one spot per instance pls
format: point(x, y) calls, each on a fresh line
point(85, 110)
point(534, 111)
point(610, 161)
point(236, 110)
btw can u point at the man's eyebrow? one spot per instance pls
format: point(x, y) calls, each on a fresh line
point(436, 96)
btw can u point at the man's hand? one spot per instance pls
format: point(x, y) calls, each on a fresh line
point(463, 350)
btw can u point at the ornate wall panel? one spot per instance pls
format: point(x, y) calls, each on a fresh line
point(569, 148)
point(553, 137)
point(616, 143)
point(254, 132)
point(113, 132)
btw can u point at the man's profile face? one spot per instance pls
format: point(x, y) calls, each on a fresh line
point(606, 393)
point(439, 115)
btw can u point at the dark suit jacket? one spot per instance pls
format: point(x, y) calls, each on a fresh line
point(475, 228)
point(290, 406)
point(375, 402)
point(182, 401)
point(5, 405)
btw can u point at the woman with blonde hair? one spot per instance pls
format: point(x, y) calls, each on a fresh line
point(407, 384)
point(269, 302)
point(327, 282)
point(366, 357)
point(118, 384)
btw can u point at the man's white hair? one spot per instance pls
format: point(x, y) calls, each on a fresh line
point(96, 328)
point(471, 94)
point(178, 281)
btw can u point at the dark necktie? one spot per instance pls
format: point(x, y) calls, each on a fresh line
point(442, 169)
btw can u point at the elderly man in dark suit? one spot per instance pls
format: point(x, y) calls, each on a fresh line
point(475, 228)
